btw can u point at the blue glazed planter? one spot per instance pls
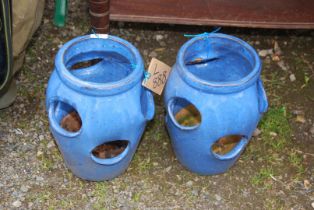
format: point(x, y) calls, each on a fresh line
point(109, 99)
point(220, 76)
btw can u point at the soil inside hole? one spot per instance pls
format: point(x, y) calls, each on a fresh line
point(72, 122)
point(188, 116)
point(226, 144)
point(110, 149)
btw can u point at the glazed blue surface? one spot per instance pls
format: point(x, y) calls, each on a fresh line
point(109, 98)
point(227, 91)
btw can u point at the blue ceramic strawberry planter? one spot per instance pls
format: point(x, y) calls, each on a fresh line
point(219, 77)
point(106, 98)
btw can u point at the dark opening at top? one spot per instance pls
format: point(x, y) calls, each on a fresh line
point(216, 59)
point(99, 60)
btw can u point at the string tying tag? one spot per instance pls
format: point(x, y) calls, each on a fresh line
point(94, 32)
point(147, 75)
point(203, 34)
point(209, 55)
point(133, 66)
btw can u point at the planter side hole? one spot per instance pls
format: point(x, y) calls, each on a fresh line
point(66, 116)
point(226, 144)
point(186, 114)
point(110, 149)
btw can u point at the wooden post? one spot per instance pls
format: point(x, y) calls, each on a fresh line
point(99, 12)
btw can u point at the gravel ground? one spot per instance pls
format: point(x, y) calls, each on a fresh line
point(275, 171)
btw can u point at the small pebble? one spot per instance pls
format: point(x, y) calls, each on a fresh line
point(218, 197)
point(46, 20)
point(18, 131)
point(30, 204)
point(292, 77)
point(297, 112)
point(264, 53)
point(17, 203)
point(275, 58)
point(195, 192)
point(300, 119)
point(163, 44)
point(50, 145)
point(277, 48)
point(39, 153)
point(189, 183)
point(138, 38)
point(41, 137)
point(257, 132)
point(153, 54)
point(159, 37)
point(168, 169)
point(24, 188)
point(306, 184)
point(282, 65)
point(145, 53)
point(39, 179)
point(312, 204)
point(273, 134)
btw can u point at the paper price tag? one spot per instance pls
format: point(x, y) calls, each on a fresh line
point(157, 76)
point(100, 36)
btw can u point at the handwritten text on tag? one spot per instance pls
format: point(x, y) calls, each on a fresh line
point(157, 76)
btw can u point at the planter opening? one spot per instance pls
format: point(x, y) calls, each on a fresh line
point(186, 114)
point(225, 144)
point(110, 149)
point(66, 116)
